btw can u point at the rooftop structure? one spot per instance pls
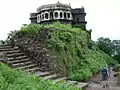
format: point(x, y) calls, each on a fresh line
point(50, 13)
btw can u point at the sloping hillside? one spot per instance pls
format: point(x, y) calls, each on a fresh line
point(61, 48)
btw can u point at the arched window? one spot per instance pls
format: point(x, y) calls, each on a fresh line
point(51, 15)
point(68, 15)
point(46, 16)
point(61, 15)
point(65, 15)
point(77, 19)
point(56, 14)
point(42, 16)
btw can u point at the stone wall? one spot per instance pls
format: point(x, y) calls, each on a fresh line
point(36, 49)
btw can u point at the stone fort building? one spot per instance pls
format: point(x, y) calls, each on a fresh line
point(59, 12)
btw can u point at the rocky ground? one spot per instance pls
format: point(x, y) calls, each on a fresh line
point(97, 85)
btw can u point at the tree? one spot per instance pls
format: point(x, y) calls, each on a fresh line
point(11, 37)
point(117, 50)
point(106, 45)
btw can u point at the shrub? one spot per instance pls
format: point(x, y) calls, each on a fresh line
point(119, 78)
point(16, 80)
point(117, 68)
point(71, 50)
point(69, 47)
point(81, 75)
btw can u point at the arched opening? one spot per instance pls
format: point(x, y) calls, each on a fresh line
point(65, 15)
point(61, 15)
point(46, 16)
point(77, 19)
point(56, 15)
point(51, 15)
point(68, 15)
point(42, 16)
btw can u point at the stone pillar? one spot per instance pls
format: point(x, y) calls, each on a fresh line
point(62, 15)
point(54, 14)
point(58, 14)
point(42, 16)
point(38, 18)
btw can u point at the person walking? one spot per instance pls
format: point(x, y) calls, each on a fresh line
point(105, 76)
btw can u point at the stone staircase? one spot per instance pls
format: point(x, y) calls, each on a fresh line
point(19, 61)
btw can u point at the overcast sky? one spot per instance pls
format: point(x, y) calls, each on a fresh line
point(103, 16)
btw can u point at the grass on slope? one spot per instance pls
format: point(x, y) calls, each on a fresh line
point(70, 47)
point(15, 80)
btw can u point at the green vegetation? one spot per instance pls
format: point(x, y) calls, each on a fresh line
point(117, 68)
point(110, 47)
point(106, 45)
point(70, 48)
point(16, 80)
point(2, 42)
point(117, 52)
point(34, 29)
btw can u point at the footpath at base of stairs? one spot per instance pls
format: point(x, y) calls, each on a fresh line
point(19, 61)
point(96, 83)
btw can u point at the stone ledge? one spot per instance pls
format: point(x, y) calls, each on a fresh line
point(82, 85)
point(77, 84)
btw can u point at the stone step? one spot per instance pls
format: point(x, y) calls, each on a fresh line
point(82, 85)
point(17, 58)
point(42, 74)
point(8, 49)
point(21, 64)
point(42, 69)
point(27, 66)
point(72, 82)
point(19, 61)
point(32, 70)
point(53, 76)
point(14, 51)
point(15, 54)
point(59, 79)
point(4, 46)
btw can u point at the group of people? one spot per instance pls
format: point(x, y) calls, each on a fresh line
point(105, 75)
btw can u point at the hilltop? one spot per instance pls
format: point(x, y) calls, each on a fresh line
point(62, 48)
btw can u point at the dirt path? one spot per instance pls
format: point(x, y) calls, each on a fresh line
point(96, 83)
